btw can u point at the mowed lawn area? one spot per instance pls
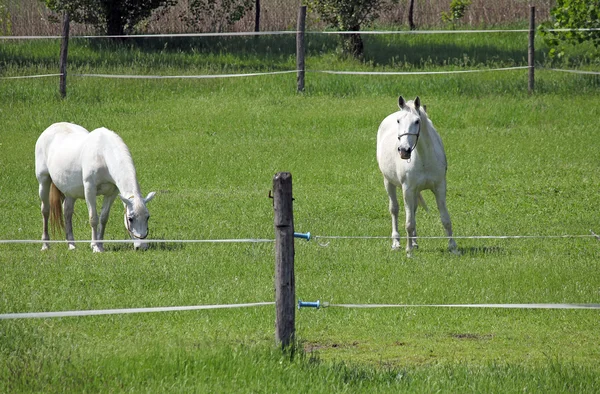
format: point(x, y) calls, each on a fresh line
point(519, 164)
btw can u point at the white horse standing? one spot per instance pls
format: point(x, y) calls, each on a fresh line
point(410, 154)
point(72, 163)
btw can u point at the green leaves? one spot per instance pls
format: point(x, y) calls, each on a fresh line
point(579, 18)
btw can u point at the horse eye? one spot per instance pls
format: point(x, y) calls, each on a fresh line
point(417, 121)
point(398, 121)
point(130, 218)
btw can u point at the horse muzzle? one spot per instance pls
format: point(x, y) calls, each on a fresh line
point(404, 153)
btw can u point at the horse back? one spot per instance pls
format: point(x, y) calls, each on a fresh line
point(57, 153)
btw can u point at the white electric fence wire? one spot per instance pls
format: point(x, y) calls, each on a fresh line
point(490, 306)
point(315, 237)
point(283, 32)
point(417, 72)
point(38, 315)
point(32, 76)
point(206, 76)
point(575, 71)
point(461, 237)
point(209, 76)
point(148, 241)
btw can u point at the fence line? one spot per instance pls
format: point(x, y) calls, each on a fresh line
point(205, 76)
point(488, 306)
point(567, 236)
point(288, 32)
point(32, 76)
point(101, 312)
point(315, 237)
point(417, 72)
point(573, 71)
point(232, 240)
point(332, 72)
point(38, 315)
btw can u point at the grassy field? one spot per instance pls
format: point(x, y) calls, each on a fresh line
point(518, 165)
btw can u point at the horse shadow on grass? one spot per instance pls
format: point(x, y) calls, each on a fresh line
point(162, 246)
point(470, 251)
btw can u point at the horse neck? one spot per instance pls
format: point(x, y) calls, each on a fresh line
point(425, 146)
point(122, 170)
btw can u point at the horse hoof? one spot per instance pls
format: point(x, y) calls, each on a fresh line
point(45, 247)
point(71, 247)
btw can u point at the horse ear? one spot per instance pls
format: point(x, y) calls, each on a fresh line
point(149, 197)
point(126, 201)
point(401, 102)
point(417, 103)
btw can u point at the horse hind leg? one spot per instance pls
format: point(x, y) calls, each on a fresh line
point(394, 209)
point(44, 192)
point(69, 207)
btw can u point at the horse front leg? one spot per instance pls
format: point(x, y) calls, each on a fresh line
point(68, 208)
point(393, 207)
point(44, 192)
point(90, 199)
point(440, 198)
point(410, 208)
point(104, 214)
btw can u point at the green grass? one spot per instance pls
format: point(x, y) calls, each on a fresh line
point(518, 165)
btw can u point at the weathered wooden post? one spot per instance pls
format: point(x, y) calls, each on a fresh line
point(285, 288)
point(64, 49)
point(300, 50)
point(531, 49)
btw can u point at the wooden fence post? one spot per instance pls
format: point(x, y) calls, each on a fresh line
point(64, 49)
point(300, 50)
point(285, 288)
point(531, 49)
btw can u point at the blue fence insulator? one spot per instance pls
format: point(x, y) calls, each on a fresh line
point(305, 236)
point(307, 304)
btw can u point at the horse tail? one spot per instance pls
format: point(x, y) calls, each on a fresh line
point(422, 203)
point(57, 221)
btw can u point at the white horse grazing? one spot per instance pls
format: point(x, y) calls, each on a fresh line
point(410, 154)
point(72, 163)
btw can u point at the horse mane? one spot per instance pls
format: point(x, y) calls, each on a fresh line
point(124, 161)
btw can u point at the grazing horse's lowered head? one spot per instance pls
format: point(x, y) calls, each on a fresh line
point(136, 219)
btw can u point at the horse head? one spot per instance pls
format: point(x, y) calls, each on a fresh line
point(136, 219)
point(409, 126)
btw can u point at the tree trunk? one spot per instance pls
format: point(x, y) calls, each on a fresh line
point(353, 43)
point(411, 11)
point(115, 22)
point(257, 16)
